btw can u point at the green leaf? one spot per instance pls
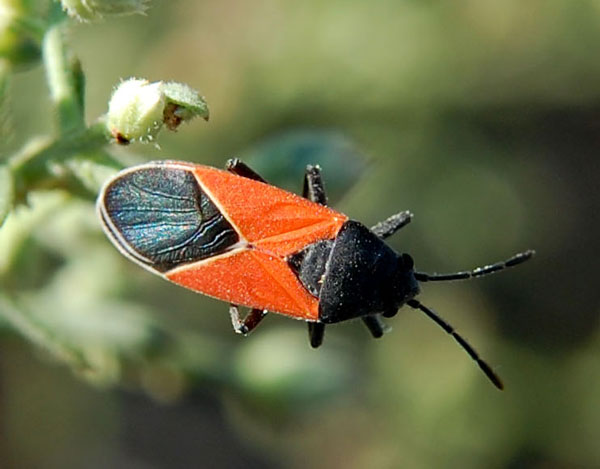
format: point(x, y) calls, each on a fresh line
point(6, 193)
point(25, 324)
point(91, 173)
point(189, 103)
point(19, 45)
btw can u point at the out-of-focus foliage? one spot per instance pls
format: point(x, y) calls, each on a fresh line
point(481, 117)
point(6, 193)
point(282, 157)
point(19, 33)
point(89, 10)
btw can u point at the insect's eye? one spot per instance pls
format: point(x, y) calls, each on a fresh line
point(407, 261)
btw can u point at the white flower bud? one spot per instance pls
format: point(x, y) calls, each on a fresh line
point(138, 109)
point(135, 111)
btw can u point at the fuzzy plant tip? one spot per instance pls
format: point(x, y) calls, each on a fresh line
point(138, 109)
point(90, 10)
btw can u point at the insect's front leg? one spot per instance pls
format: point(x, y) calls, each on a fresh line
point(313, 189)
point(386, 228)
point(237, 166)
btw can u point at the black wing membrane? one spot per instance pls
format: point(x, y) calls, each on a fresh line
point(160, 216)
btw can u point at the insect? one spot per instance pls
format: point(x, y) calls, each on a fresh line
point(230, 235)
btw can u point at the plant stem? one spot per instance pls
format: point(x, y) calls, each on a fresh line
point(36, 167)
point(63, 75)
point(38, 334)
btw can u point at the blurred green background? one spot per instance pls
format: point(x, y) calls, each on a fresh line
point(480, 116)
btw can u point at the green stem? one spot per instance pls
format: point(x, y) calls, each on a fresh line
point(63, 75)
point(35, 168)
point(35, 332)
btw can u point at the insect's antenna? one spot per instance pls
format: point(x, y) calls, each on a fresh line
point(479, 271)
point(493, 377)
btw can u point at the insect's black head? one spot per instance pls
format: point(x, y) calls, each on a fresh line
point(405, 285)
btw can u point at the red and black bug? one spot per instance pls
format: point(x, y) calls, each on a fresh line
point(230, 235)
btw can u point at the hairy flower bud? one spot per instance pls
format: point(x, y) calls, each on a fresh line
point(138, 109)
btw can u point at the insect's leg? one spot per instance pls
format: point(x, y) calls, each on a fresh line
point(375, 325)
point(236, 166)
point(386, 228)
point(316, 332)
point(313, 189)
point(246, 325)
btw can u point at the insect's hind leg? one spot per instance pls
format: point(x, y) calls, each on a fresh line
point(386, 228)
point(246, 325)
point(237, 166)
point(316, 333)
point(375, 325)
point(313, 188)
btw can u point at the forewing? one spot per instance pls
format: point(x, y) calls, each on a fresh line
point(252, 278)
point(268, 217)
point(159, 215)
